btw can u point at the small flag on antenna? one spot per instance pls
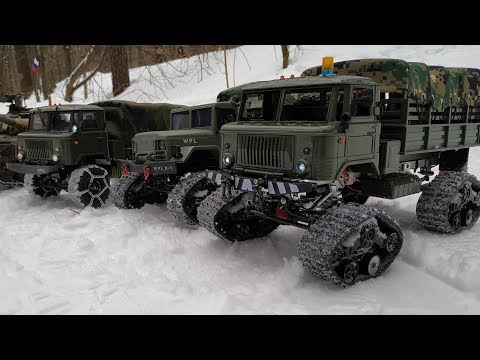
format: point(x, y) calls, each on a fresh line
point(35, 65)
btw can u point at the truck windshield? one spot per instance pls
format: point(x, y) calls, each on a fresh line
point(261, 106)
point(180, 120)
point(202, 117)
point(61, 122)
point(307, 105)
point(39, 122)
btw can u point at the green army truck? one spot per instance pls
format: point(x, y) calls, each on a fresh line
point(162, 158)
point(11, 124)
point(75, 147)
point(309, 151)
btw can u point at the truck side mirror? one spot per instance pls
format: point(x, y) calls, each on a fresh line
point(345, 120)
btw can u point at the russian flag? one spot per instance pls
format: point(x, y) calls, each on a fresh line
point(35, 65)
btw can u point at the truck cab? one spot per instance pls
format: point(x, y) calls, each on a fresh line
point(62, 136)
point(306, 128)
point(193, 140)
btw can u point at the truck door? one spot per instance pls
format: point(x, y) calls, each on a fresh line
point(92, 135)
point(362, 130)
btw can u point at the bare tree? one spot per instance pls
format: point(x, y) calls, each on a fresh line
point(119, 67)
point(286, 55)
point(72, 81)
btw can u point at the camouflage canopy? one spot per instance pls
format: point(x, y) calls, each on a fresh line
point(439, 85)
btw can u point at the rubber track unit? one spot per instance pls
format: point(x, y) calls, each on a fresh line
point(122, 187)
point(213, 203)
point(433, 204)
point(319, 244)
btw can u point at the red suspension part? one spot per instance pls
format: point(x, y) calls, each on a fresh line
point(281, 213)
point(125, 170)
point(146, 172)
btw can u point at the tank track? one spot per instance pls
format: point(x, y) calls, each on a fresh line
point(213, 204)
point(177, 197)
point(323, 250)
point(433, 206)
point(120, 191)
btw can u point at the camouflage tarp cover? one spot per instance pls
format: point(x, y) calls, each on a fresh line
point(441, 85)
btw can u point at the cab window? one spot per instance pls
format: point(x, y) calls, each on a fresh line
point(180, 120)
point(363, 98)
point(202, 117)
point(89, 121)
point(261, 106)
point(60, 121)
point(39, 122)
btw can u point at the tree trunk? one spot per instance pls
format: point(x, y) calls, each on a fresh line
point(285, 54)
point(119, 67)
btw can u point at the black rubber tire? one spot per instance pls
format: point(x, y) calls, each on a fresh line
point(31, 183)
point(89, 186)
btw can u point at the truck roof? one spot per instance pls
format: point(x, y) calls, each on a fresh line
point(70, 107)
point(219, 104)
point(309, 81)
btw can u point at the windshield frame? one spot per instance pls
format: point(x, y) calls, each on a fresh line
point(50, 115)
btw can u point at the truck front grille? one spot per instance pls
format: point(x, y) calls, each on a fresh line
point(264, 151)
point(39, 149)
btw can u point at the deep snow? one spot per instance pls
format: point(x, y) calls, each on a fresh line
point(57, 258)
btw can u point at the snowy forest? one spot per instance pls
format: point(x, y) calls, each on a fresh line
point(60, 258)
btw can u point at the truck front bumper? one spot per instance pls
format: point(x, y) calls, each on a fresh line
point(274, 187)
point(32, 169)
point(155, 167)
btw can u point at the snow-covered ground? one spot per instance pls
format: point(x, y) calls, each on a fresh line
point(56, 258)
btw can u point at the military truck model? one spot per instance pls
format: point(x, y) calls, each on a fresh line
point(75, 147)
point(162, 158)
point(12, 123)
point(309, 151)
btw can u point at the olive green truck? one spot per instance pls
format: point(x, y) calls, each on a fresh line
point(76, 147)
point(309, 151)
point(162, 158)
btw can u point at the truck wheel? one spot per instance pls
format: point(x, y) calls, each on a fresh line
point(186, 196)
point(33, 185)
point(449, 203)
point(350, 243)
point(89, 186)
point(227, 218)
point(126, 192)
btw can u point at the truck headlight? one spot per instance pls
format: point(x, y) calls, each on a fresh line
point(301, 167)
point(161, 145)
point(20, 155)
point(55, 157)
point(227, 160)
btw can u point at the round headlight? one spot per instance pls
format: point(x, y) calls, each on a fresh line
point(301, 167)
point(161, 145)
point(20, 155)
point(227, 160)
point(74, 128)
point(55, 157)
